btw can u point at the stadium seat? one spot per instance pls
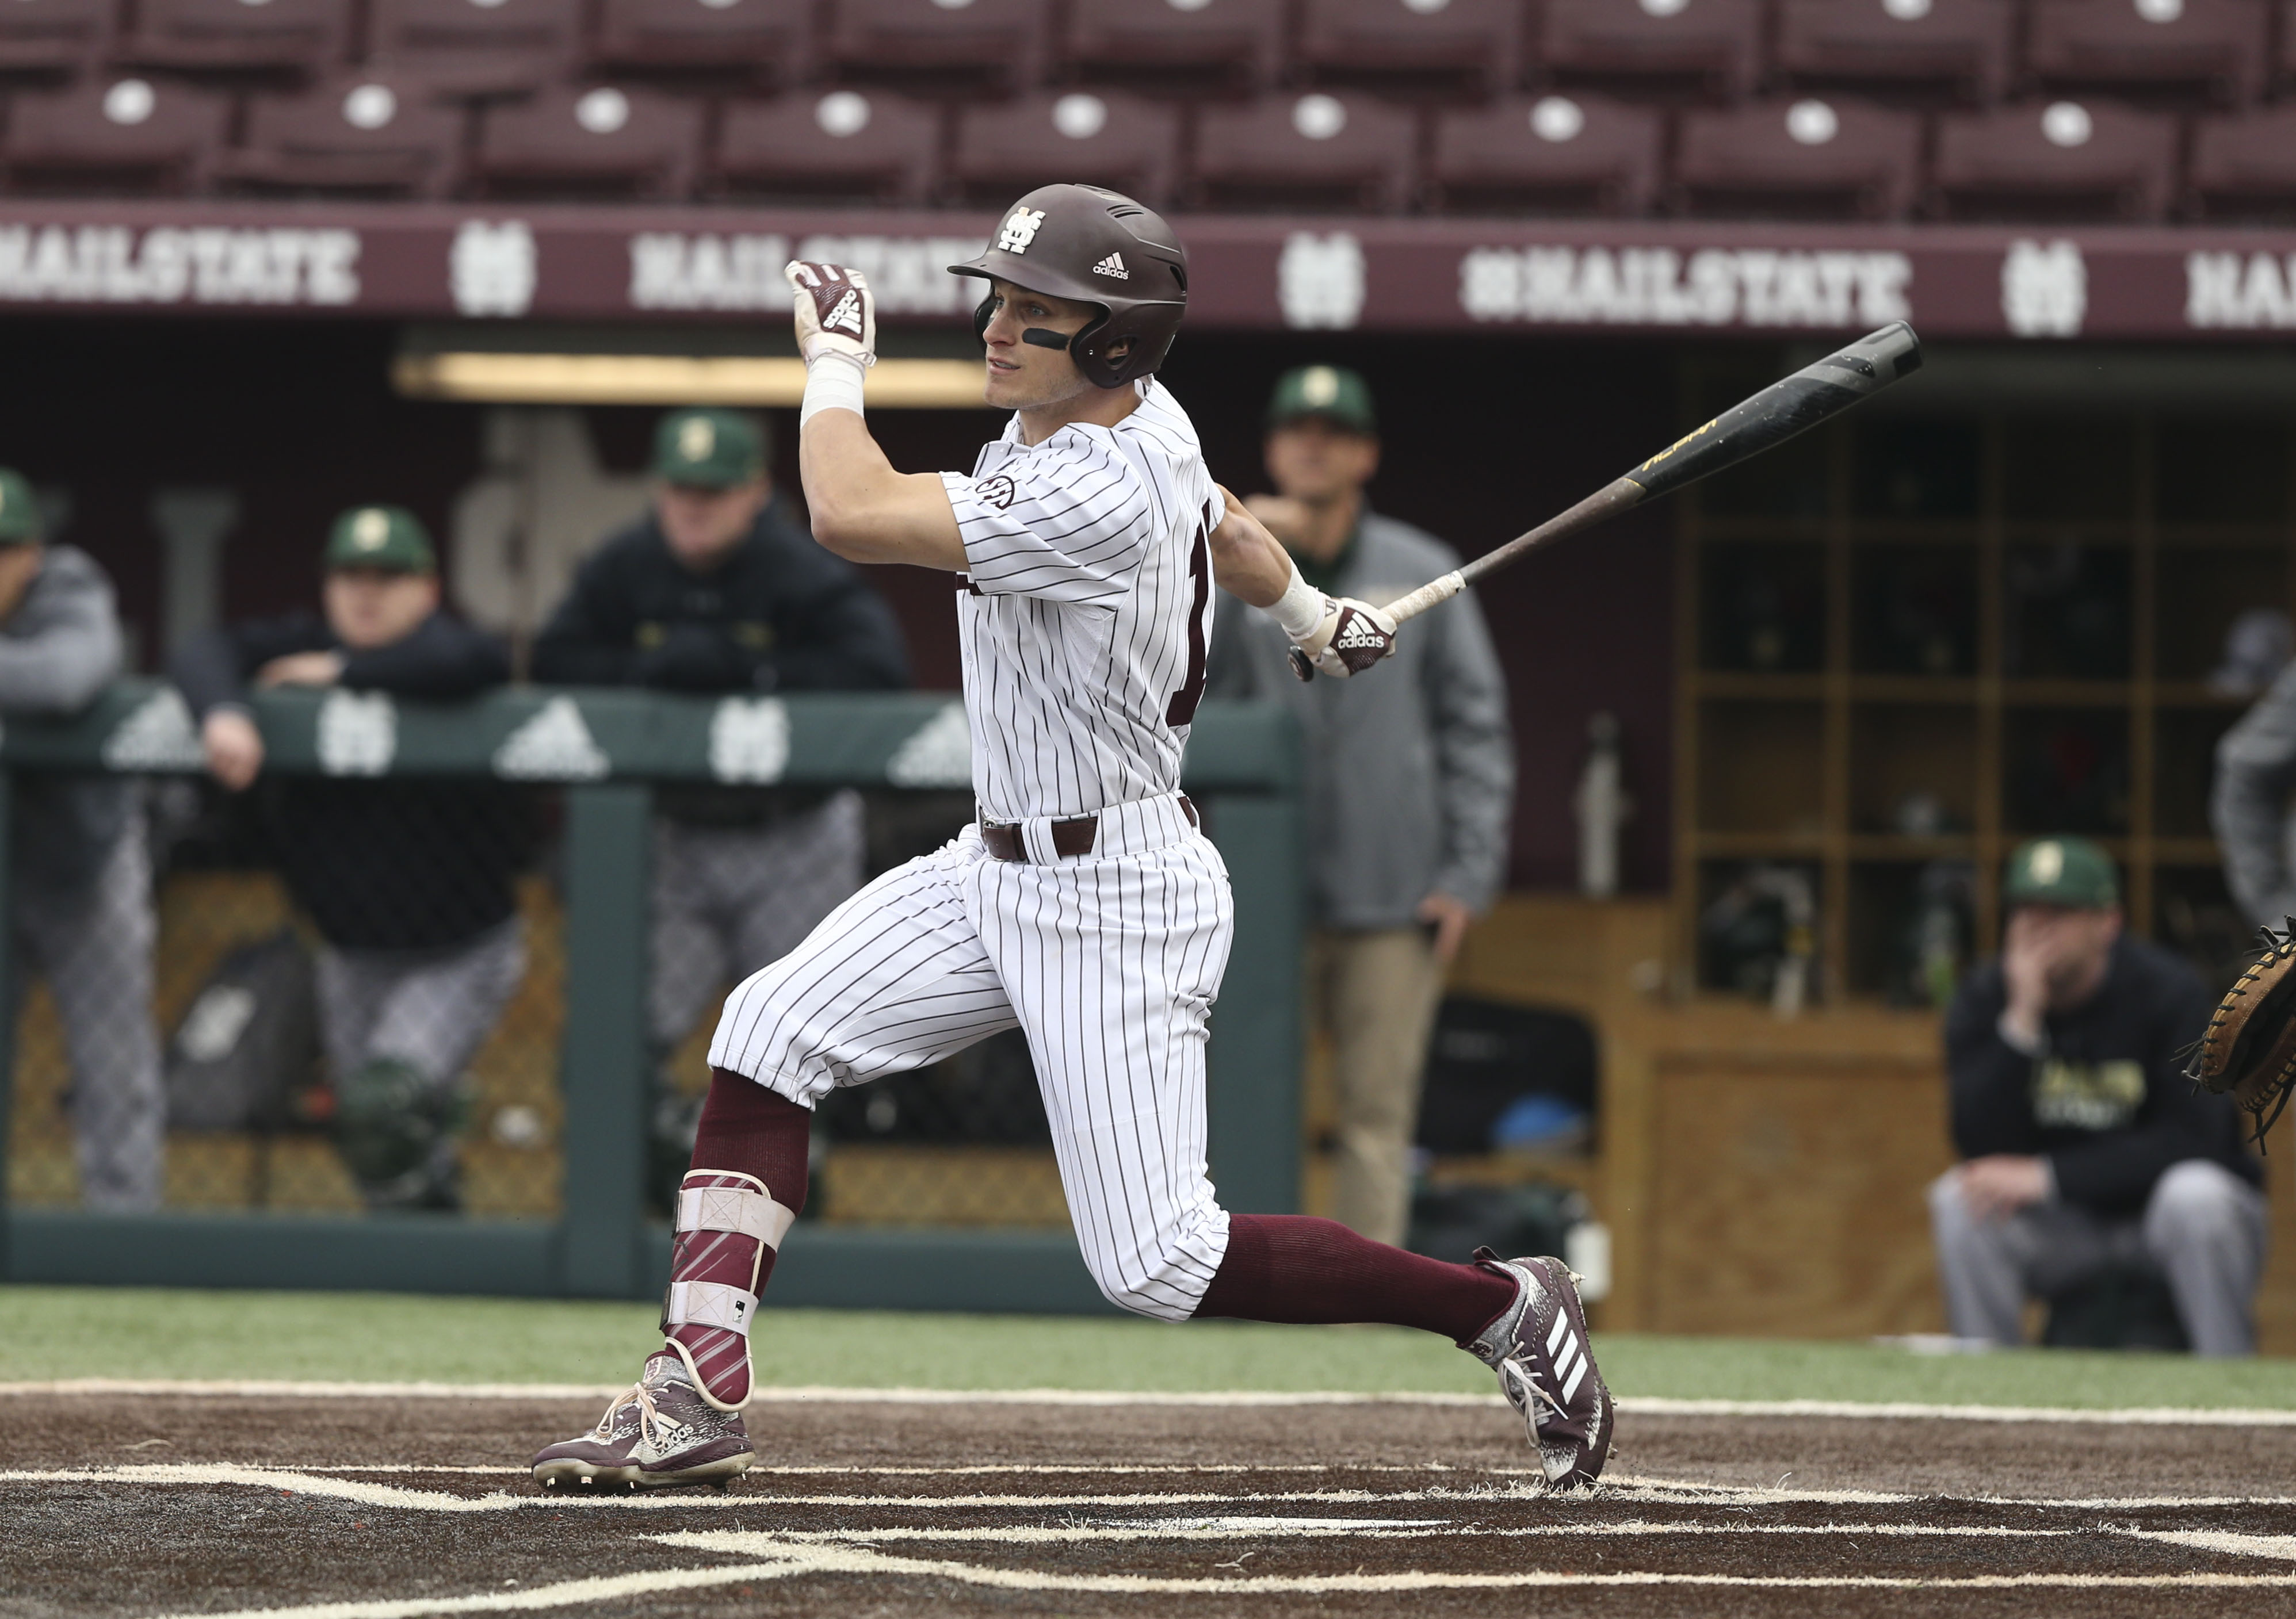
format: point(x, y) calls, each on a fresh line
point(1178, 44)
point(1828, 156)
point(850, 145)
point(1110, 138)
point(2243, 166)
point(934, 43)
point(1889, 43)
point(768, 41)
point(573, 142)
point(1309, 151)
point(1477, 42)
point(2219, 44)
point(360, 136)
point(475, 49)
point(53, 37)
point(1715, 43)
point(1556, 153)
point(304, 37)
point(2061, 160)
point(120, 137)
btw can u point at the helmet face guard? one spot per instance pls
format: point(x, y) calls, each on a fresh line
point(1095, 247)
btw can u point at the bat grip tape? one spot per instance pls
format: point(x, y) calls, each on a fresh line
point(1434, 592)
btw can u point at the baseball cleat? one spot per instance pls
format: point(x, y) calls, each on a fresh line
point(1539, 1347)
point(658, 1434)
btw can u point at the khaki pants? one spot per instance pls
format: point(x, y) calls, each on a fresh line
point(1374, 993)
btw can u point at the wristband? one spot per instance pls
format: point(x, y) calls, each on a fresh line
point(832, 382)
point(1300, 608)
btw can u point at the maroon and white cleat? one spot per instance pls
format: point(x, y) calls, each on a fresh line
point(657, 1435)
point(1539, 1348)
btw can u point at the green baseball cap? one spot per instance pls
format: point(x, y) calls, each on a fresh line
point(389, 537)
point(1333, 392)
point(2070, 872)
point(706, 449)
point(19, 508)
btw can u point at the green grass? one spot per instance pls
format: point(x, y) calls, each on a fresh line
point(97, 1332)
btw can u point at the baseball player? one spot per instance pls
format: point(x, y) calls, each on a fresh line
point(1084, 906)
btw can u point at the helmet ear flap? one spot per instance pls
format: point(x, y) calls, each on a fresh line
point(982, 313)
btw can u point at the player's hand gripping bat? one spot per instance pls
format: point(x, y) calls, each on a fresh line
point(1747, 429)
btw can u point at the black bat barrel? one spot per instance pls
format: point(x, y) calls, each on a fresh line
point(1786, 407)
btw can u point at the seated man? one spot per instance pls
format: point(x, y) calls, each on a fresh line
point(81, 894)
point(2085, 1145)
point(408, 880)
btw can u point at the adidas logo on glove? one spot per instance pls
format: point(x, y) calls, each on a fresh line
point(1359, 631)
point(846, 316)
point(1113, 267)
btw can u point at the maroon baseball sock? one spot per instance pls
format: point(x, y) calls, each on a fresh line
point(1296, 1268)
point(748, 1181)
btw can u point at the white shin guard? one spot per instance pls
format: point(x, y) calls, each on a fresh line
point(727, 1223)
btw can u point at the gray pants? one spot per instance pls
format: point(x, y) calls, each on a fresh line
point(729, 900)
point(93, 943)
point(429, 1008)
point(2203, 1226)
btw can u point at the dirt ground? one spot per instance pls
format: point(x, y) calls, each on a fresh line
point(149, 1504)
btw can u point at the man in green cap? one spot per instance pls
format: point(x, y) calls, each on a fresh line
point(2085, 1148)
point(719, 590)
point(407, 881)
point(1411, 778)
point(80, 895)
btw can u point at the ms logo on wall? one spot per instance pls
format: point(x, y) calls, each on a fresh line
point(490, 269)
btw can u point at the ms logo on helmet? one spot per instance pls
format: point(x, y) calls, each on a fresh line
point(1020, 230)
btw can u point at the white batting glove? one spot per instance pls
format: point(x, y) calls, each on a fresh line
point(1347, 641)
point(836, 314)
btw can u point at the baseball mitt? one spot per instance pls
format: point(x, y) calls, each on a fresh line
point(2250, 1048)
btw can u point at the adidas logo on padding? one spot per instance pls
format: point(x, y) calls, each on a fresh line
point(847, 316)
point(1113, 267)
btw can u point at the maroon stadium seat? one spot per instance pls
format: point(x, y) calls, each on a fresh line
point(1717, 42)
point(2058, 160)
point(1102, 137)
point(115, 137)
point(1889, 42)
point(307, 36)
point(1576, 153)
point(576, 142)
point(1831, 156)
point(767, 40)
point(55, 37)
point(1180, 44)
point(362, 135)
point(2218, 44)
point(1478, 42)
point(852, 145)
point(476, 48)
point(1307, 151)
point(1001, 42)
point(2244, 166)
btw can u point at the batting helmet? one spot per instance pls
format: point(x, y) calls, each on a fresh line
point(1096, 247)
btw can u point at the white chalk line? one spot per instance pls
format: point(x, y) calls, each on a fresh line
point(1649, 1405)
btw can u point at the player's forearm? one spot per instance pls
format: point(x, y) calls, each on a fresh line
point(866, 511)
point(1248, 562)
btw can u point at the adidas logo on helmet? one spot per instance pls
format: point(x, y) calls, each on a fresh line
point(1112, 265)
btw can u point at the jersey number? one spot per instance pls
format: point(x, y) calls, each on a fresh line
point(1182, 709)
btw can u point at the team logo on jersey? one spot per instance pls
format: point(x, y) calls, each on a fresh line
point(998, 491)
point(1112, 266)
point(846, 316)
point(1020, 230)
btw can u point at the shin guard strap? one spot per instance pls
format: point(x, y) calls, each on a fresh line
point(708, 1304)
point(735, 1209)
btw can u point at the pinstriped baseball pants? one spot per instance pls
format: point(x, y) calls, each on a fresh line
point(1108, 963)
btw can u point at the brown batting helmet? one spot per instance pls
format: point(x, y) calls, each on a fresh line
point(1096, 247)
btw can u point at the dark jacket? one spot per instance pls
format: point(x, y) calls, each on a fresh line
point(780, 614)
point(395, 862)
point(58, 649)
point(2106, 1101)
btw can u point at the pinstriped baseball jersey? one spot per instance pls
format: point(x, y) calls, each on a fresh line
point(1085, 617)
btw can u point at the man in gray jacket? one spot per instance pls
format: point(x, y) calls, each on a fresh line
point(2249, 806)
point(80, 873)
point(1410, 778)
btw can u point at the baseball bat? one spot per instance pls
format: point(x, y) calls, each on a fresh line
point(1790, 406)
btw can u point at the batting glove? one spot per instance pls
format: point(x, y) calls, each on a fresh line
point(835, 312)
point(1351, 637)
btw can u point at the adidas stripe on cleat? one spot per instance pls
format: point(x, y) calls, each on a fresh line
point(1545, 1367)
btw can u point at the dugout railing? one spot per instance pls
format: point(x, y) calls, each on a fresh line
point(601, 754)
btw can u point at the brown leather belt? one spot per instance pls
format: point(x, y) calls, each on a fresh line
point(1071, 838)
